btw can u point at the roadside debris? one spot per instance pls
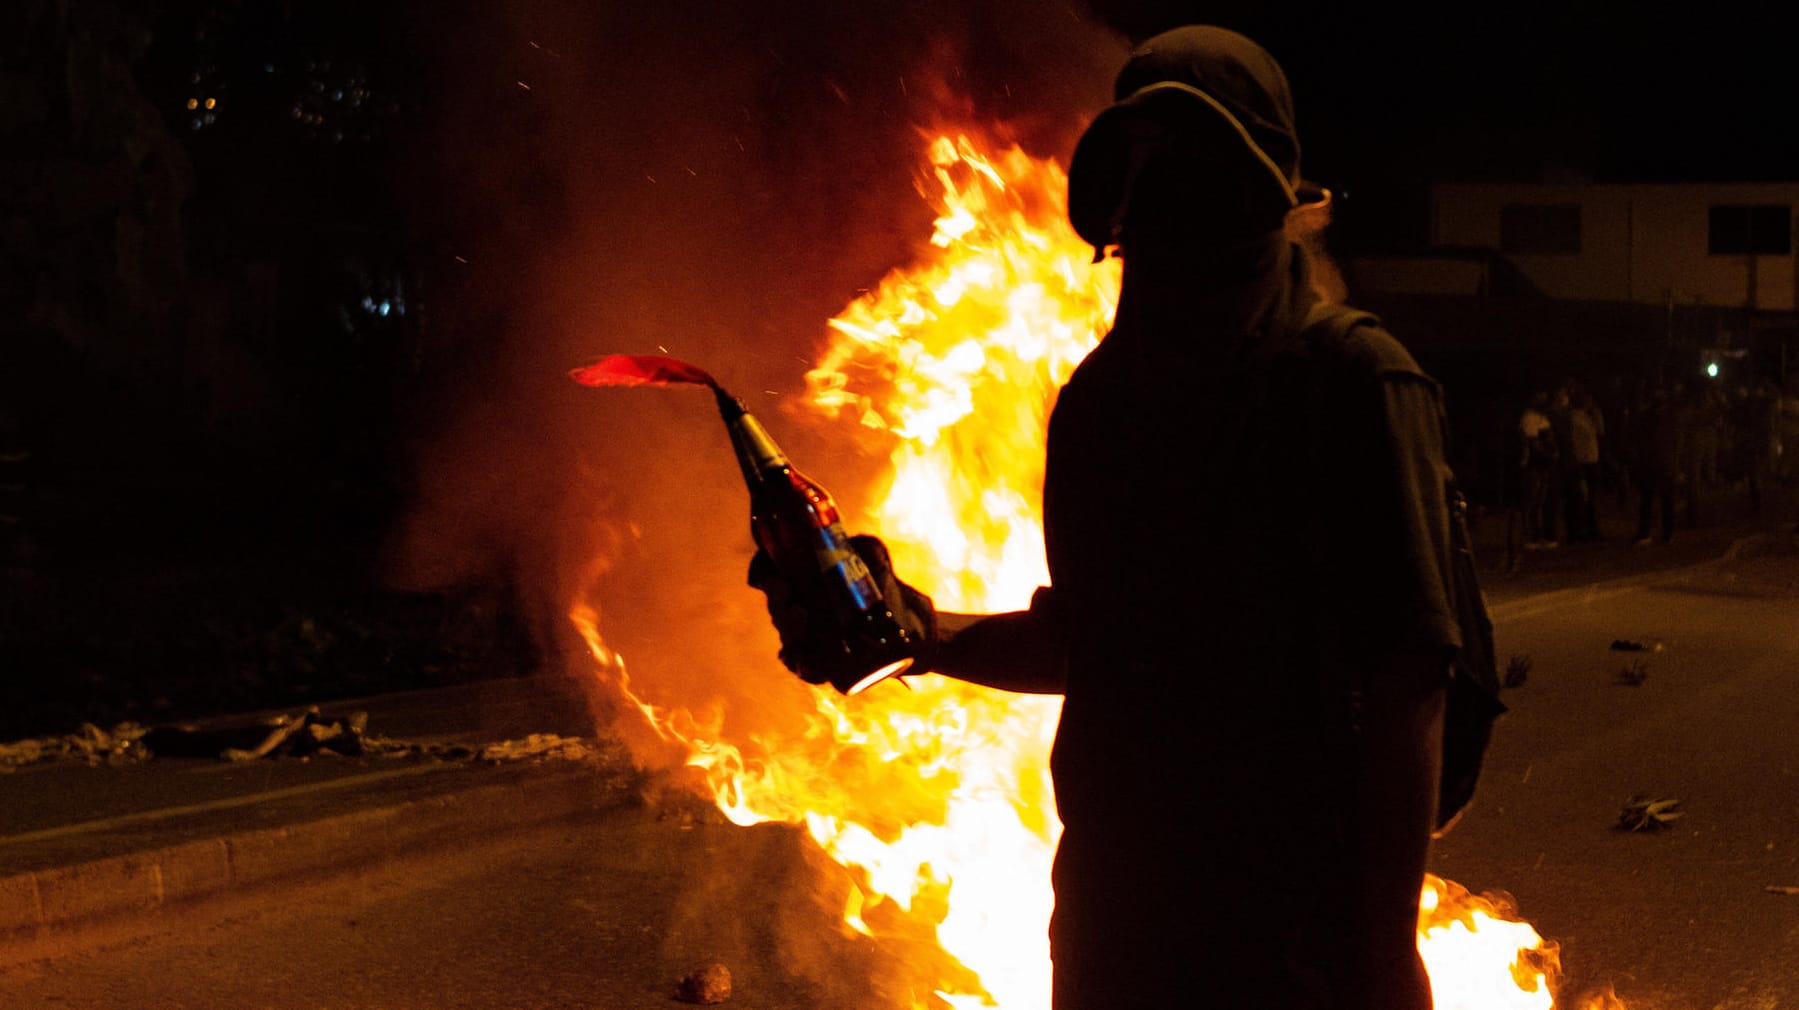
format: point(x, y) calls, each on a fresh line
point(1781, 889)
point(538, 747)
point(1642, 814)
point(1634, 673)
point(711, 984)
point(303, 735)
point(309, 734)
point(1625, 645)
point(91, 745)
point(1517, 670)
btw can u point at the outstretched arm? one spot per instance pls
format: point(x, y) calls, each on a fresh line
point(1024, 651)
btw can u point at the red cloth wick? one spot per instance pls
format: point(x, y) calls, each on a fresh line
point(640, 370)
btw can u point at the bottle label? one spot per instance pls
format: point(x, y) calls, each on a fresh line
point(853, 572)
point(840, 565)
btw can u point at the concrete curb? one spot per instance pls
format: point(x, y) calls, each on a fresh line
point(1529, 606)
point(44, 910)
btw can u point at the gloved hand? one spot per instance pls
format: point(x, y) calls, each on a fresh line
point(791, 613)
point(809, 643)
point(914, 611)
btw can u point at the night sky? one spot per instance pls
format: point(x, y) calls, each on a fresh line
point(1391, 97)
point(1394, 97)
point(1614, 90)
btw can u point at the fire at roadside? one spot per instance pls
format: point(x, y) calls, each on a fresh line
point(936, 801)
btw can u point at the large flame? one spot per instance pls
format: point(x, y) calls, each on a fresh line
point(938, 798)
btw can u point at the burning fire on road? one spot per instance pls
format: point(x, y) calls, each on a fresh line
point(935, 796)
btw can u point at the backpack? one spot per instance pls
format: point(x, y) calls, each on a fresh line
point(1472, 702)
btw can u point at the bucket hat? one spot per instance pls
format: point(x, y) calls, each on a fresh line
point(1205, 83)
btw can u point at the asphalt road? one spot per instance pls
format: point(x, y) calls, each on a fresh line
point(1675, 919)
point(613, 913)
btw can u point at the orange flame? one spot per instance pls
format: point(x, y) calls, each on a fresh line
point(1479, 958)
point(940, 795)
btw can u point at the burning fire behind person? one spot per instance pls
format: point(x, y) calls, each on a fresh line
point(937, 800)
point(1211, 620)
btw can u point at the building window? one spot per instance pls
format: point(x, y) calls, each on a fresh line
point(1751, 230)
point(1535, 229)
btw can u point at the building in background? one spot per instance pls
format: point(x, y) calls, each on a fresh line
point(1717, 244)
point(1687, 275)
point(1527, 286)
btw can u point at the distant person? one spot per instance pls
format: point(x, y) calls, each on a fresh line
point(1709, 435)
point(1613, 410)
point(1561, 484)
point(1786, 449)
point(1507, 443)
point(1537, 462)
point(1755, 423)
point(1586, 427)
point(1696, 448)
point(1656, 437)
point(1621, 436)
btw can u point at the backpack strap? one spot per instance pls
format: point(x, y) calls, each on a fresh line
point(1329, 336)
point(1329, 324)
point(1355, 338)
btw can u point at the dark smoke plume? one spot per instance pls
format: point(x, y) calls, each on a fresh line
point(708, 181)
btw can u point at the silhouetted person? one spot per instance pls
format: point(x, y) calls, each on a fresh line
point(1619, 445)
point(1656, 438)
point(1697, 448)
point(1248, 757)
point(1539, 462)
point(1755, 423)
point(1583, 476)
point(1510, 451)
point(1709, 425)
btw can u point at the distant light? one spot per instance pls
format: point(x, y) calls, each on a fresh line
point(268, 68)
point(1711, 369)
point(212, 103)
point(197, 124)
point(337, 96)
point(211, 118)
point(192, 104)
point(385, 308)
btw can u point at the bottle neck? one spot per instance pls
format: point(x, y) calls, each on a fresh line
point(757, 453)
